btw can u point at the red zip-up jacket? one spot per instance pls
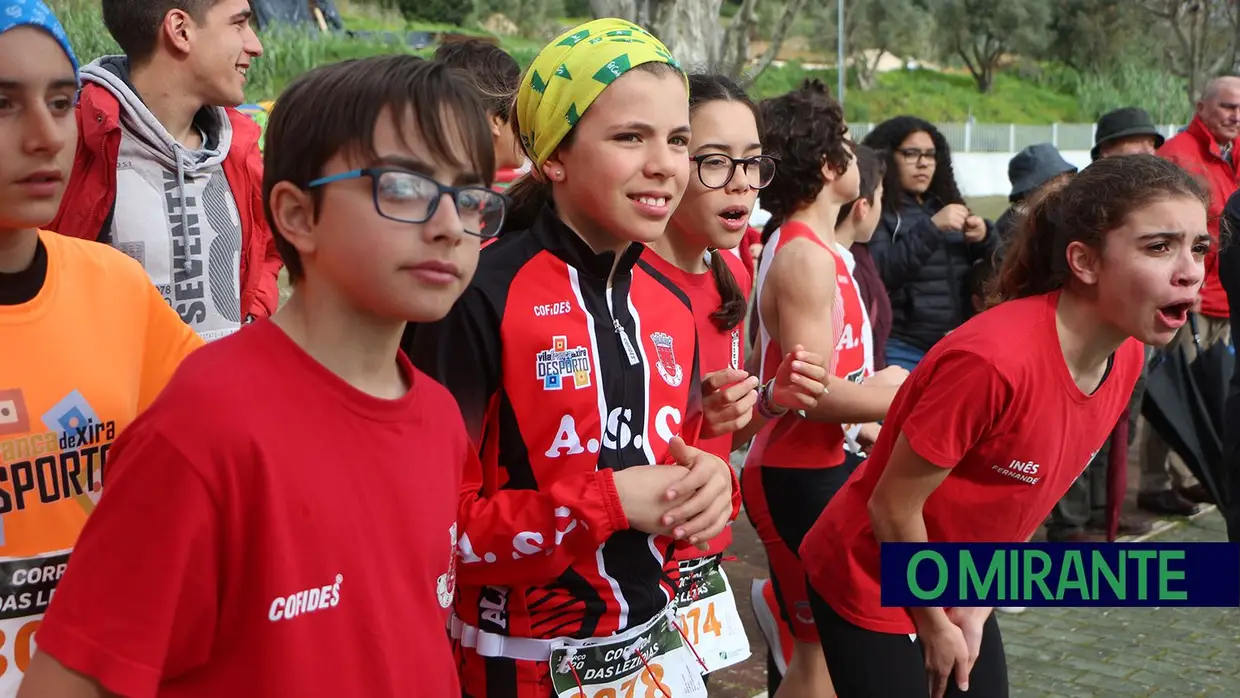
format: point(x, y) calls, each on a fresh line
point(562, 381)
point(90, 196)
point(1196, 151)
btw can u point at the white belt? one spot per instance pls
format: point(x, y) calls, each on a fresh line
point(531, 649)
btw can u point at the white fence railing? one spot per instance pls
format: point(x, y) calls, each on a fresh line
point(969, 137)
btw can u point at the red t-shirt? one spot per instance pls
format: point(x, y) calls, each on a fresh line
point(267, 529)
point(717, 350)
point(993, 401)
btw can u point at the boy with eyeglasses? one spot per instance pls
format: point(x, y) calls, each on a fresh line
point(282, 520)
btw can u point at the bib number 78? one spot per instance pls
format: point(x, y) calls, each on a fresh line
point(650, 681)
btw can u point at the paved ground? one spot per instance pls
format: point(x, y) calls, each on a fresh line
point(1068, 652)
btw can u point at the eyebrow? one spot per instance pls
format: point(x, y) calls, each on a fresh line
point(244, 14)
point(725, 148)
point(647, 128)
point(61, 83)
point(405, 162)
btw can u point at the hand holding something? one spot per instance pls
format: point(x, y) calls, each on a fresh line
point(708, 486)
point(643, 489)
point(950, 217)
point(891, 377)
point(974, 229)
point(800, 380)
point(728, 399)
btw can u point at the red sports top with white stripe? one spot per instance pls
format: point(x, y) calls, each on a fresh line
point(793, 441)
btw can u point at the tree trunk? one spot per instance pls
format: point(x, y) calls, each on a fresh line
point(691, 31)
point(866, 68)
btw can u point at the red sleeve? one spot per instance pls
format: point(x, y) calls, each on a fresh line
point(513, 537)
point(507, 536)
point(267, 294)
point(138, 600)
point(958, 398)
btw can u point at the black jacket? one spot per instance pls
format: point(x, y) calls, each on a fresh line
point(926, 271)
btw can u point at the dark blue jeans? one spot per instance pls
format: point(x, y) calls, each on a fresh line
point(903, 354)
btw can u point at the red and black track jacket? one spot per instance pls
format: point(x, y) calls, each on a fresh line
point(562, 381)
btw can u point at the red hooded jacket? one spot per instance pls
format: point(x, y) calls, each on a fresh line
point(91, 193)
point(1196, 151)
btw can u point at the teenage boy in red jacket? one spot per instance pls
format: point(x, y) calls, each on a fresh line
point(166, 170)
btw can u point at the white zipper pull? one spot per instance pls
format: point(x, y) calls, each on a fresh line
point(624, 339)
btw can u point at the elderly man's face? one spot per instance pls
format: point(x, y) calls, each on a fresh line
point(1219, 110)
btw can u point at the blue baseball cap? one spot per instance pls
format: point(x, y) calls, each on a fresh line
point(34, 13)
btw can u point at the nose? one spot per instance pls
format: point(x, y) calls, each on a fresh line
point(739, 184)
point(661, 161)
point(445, 223)
point(1189, 271)
point(252, 46)
point(41, 133)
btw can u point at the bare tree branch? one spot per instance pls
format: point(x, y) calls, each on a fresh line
point(791, 9)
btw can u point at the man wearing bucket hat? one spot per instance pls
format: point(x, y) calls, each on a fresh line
point(1125, 131)
point(1028, 171)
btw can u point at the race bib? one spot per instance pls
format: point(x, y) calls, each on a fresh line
point(654, 664)
point(707, 615)
point(26, 588)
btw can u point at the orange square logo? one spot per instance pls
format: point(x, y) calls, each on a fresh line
point(13, 415)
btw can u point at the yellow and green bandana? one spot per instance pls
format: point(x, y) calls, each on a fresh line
point(572, 71)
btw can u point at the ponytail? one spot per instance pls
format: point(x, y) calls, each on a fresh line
point(1037, 262)
point(527, 196)
point(732, 305)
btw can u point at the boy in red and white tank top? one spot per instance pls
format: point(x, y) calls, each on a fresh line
point(805, 297)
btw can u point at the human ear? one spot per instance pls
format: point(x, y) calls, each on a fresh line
point(1084, 262)
point(292, 211)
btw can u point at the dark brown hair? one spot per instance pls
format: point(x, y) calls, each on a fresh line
point(334, 109)
point(1084, 209)
point(530, 193)
point(806, 129)
point(704, 89)
point(871, 167)
point(489, 68)
point(135, 24)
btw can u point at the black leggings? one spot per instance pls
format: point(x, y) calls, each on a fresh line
point(868, 664)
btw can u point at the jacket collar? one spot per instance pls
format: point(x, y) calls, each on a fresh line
point(101, 114)
point(1200, 133)
point(560, 240)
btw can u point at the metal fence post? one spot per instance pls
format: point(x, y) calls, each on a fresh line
point(968, 136)
point(1011, 138)
point(1055, 134)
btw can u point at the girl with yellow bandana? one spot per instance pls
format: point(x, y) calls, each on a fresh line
point(575, 365)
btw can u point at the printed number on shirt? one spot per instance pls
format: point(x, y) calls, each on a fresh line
point(619, 432)
point(648, 662)
point(28, 587)
point(707, 615)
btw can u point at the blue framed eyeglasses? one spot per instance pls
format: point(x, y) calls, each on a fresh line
point(409, 197)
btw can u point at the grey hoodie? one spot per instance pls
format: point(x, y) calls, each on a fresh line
point(173, 203)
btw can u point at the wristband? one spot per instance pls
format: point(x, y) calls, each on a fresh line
point(766, 403)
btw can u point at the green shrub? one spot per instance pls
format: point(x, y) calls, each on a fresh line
point(444, 11)
point(287, 51)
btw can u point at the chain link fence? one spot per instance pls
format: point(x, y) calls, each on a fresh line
point(969, 137)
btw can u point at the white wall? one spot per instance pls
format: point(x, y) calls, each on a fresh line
point(977, 174)
point(986, 174)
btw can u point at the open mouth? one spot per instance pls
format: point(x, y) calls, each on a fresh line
point(1175, 314)
point(242, 69)
point(734, 217)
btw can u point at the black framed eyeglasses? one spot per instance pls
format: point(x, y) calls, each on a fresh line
point(715, 170)
point(913, 156)
point(409, 197)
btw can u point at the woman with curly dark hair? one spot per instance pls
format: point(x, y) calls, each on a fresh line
point(805, 301)
point(927, 240)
